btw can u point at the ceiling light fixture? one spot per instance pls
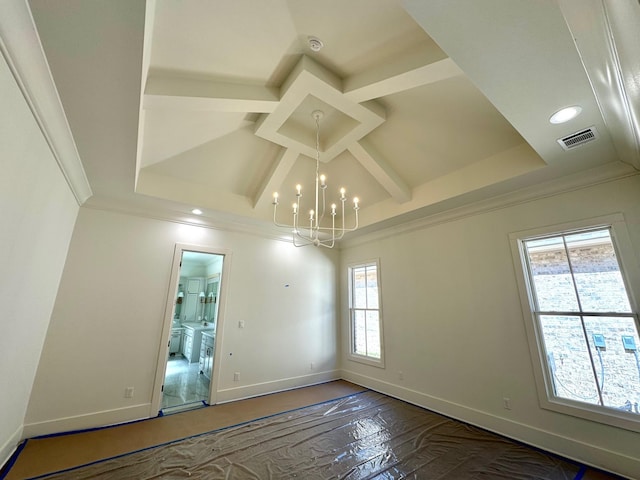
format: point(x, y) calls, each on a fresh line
point(565, 114)
point(315, 233)
point(196, 211)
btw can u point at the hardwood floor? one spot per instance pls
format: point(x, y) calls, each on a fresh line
point(52, 454)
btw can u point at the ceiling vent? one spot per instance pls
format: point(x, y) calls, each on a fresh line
point(579, 138)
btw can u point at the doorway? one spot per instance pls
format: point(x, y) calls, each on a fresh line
point(187, 367)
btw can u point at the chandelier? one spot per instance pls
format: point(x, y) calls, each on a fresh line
point(313, 231)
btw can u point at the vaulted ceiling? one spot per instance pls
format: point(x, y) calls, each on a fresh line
point(428, 105)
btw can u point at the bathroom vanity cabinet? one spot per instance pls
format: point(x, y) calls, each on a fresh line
point(176, 341)
point(206, 354)
point(192, 340)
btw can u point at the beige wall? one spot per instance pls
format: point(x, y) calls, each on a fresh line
point(105, 331)
point(37, 213)
point(453, 323)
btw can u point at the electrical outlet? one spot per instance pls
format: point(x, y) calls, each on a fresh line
point(128, 392)
point(236, 377)
point(312, 366)
point(400, 376)
point(506, 403)
point(241, 324)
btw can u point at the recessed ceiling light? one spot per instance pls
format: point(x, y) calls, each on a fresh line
point(196, 211)
point(565, 114)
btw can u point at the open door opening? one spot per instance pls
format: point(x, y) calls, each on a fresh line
point(187, 360)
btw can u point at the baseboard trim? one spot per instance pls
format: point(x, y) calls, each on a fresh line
point(141, 411)
point(570, 448)
point(87, 421)
point(276, 386)
point(10, 446)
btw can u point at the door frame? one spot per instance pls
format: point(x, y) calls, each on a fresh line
point(165, 337)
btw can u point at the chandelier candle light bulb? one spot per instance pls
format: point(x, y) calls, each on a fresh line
point(318, 234)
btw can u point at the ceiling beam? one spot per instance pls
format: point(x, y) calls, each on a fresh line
point(188, 94)
point(275, 178)
point(373, 162)
point(310, 79)
point(402, 75)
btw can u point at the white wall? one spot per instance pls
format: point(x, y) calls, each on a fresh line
point(37, 213)
point(105, 330)
point(453, 323)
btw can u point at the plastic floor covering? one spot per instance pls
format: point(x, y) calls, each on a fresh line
point(363, 436)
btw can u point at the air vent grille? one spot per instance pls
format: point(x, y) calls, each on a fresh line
point(579, 138)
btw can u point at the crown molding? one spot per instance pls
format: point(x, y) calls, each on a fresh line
point(402, 224)
point(20, 46)
point(212, 220)
point(598, 175)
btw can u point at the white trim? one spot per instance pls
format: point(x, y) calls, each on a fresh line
point(10, 446)
point(275, 386)
point(351, 355)
point(412, 221)
point(570, 448)
point(163, 348)
point(85, 421)
point(421, 218)
point(606, 41)
point(21, 48)
point(626, 258)
point(221, 222)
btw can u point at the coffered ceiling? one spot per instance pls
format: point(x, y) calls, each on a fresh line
point(428, 105)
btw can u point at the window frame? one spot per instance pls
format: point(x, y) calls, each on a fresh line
point(352, 355)
point(630, 273)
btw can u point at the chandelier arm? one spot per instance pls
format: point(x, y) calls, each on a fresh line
point(301, 233)
point(333, 231)
point(304, 236)
point(355, 227)
point(275, 206)
point(326, 245)
point(295, 244)
point(323, 206)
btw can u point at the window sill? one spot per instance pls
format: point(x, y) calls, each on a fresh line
point(615, 418)
point(373, 362)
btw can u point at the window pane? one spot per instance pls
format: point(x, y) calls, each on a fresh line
point(366, 329)
point(596, 272)
point(568, 357)
point(359, 332)
point(372, 287)
point(373, 334)
point(617, 367)
point(359, 288)
point(551, 275)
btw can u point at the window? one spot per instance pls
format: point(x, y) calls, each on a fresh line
point(584, 331)
point(365, 314)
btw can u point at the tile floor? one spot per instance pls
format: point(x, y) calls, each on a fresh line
point(184, 385)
